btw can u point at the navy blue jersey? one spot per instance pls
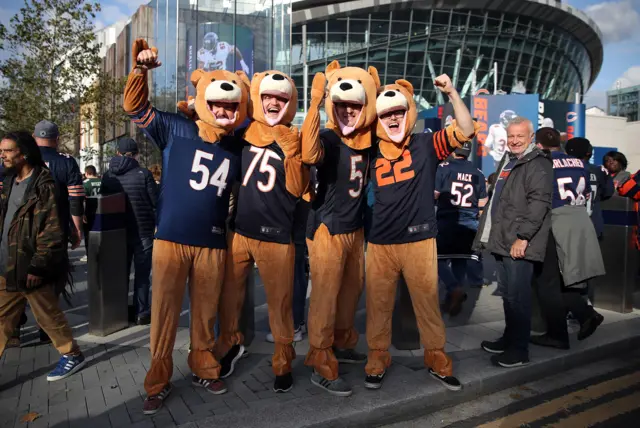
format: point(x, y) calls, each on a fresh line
point(341, 198)
point(403, 208)
point(69, 186)
point(265, 206)
point(461, 186)
point(197, 177)
point(601, 190)
point(570, 180)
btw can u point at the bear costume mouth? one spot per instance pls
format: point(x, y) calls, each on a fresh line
point(275, 85)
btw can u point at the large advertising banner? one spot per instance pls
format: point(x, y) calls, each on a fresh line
point(493, 113)
point(210, 47)
point(567, 118)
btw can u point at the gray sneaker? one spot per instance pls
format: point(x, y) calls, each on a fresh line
point(338, 387)
point(349, 356)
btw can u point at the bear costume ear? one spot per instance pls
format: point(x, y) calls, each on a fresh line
point(374, 73)
point(245, 79)
point(196, 76)
point(332, 68)
point(405, 84)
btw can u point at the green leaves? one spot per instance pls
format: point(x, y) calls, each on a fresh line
point(53, 55)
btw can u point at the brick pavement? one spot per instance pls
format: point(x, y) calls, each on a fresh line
point(109, 391)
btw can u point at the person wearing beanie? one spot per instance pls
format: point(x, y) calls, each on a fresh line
point(125, 175)
point(599, 179)
point(572, 255)
point(461, 193)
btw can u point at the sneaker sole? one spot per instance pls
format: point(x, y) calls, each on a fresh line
point(233, 363)
point(492, 351)
point(153, 412)
point(336, 393)
point(222, 391)
point(510, 366)
point(373, 385)
point(280, 391)
point(295, 339)
point(72, 371)
point(445, 384)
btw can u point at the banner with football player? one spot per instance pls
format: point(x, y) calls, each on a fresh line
point(493, 113)
point(211, 47)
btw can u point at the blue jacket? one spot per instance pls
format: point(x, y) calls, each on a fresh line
point(126, 175)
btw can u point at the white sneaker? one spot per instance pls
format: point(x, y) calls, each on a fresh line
point(83, 259)
point(297, 334)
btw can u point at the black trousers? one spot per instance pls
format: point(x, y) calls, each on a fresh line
point(555, 299)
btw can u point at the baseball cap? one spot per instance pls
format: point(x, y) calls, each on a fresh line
point(127, 145)
point(579, 147)
point(46, 129)
point(465, 150)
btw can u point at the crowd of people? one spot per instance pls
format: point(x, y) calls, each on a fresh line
point(240, 187)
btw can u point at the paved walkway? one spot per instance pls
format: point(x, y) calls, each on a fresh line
point(109, 391)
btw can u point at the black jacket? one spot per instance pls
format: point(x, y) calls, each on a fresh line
point(126, 175)
point(524, 209)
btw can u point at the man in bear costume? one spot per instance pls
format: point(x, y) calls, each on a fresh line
point(200, 162)
point(335, 234)
point(402, 237)
point(273, 179)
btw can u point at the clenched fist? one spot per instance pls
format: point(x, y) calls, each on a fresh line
point(145, 57)
point(443, 83)
point(317, 88)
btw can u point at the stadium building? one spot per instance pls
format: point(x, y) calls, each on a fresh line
point(539, 46)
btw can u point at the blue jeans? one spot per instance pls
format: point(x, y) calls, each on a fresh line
point(300, 284)
point(454, 271)
point(140, 252)
point(515, 284)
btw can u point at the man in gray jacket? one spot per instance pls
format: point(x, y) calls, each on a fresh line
point(515, 228)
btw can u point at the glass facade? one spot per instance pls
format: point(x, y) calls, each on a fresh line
point(250, 35)
point(418, 44)
point(624, 103)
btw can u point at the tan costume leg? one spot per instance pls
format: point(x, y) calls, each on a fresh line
point(238, 265)
point(171, 265)
point(275, 263)
point(327, 258)
point(205, 284)
point(346, 336)
point(420, 270)
point(383, 273)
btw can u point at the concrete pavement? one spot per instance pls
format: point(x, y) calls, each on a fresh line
point(109, 391)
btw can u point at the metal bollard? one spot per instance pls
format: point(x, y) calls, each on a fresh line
point(108, 285)
point(405, 334)
point(614, 291)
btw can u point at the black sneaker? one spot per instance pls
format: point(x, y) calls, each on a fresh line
point(549, 342)
point(143, 320)
point(374, 381)
point(496, 347)
point(229, 361)
point(449, 382)
point(509, 360)
point(349, 356)
point(283, 383)
point(590, 326)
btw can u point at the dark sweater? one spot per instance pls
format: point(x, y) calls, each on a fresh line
point(126, 175)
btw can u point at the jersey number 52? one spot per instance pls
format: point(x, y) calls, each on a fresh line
point(461, 192)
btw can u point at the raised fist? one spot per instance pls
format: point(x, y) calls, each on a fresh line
point(145, 57)
point(318, 88)
point(443, 83)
